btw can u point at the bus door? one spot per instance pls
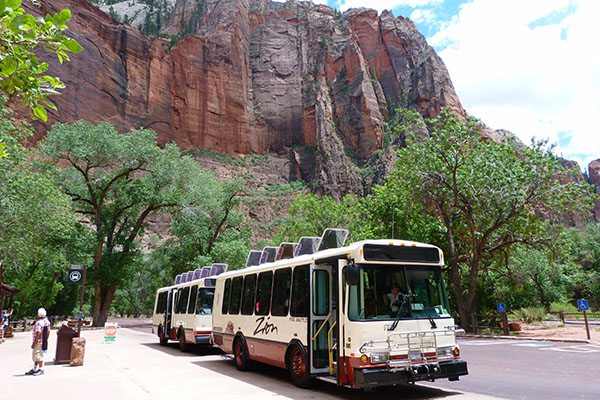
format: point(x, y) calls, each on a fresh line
point(169, 312)
point(322, 320)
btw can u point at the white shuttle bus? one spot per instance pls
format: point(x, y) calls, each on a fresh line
point(183, 311)
point(373, 313)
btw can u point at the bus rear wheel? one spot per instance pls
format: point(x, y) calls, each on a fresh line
point(240, 354)
point(298, 366)
point(162, 339)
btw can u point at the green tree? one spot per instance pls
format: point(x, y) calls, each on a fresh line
point(36, 222)
point(488, 196)
point(208, 229)
point(117, 181)
point(310, 215)
point(21, 73)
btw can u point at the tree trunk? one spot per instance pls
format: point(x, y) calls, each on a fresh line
point(103, 298)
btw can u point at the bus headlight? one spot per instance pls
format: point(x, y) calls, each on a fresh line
point(379, 358)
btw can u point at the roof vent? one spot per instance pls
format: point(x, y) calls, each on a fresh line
point(333, 238)
point(253, 258)
point(307, 245)
point(205, 271)
point(197, 274)
point(268, 254)
point(285, 250)
point(218, 269)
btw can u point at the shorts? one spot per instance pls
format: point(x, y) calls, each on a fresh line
point(37, 353)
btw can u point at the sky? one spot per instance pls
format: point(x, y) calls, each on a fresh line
point(531, 67)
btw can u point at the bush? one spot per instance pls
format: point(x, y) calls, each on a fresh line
point(530, 314)
point(564, 307)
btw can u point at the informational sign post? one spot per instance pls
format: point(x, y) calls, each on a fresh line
point(583, 305)
point(110, 332)
point(501, 307)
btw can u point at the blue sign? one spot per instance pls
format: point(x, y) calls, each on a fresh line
point(501, 307)
point(583, 305)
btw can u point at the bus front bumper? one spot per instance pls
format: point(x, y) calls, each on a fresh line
point(372, 377)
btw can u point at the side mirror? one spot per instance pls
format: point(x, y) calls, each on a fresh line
point(352, 274)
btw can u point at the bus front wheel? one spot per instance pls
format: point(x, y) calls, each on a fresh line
point(240, 354)
point(298, 366)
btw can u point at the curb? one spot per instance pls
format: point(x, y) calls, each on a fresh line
point(543, 339)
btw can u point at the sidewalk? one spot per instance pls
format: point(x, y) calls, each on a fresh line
point(135, 367)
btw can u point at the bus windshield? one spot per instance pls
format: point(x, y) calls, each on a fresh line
point(205, 301)
point(385, 292)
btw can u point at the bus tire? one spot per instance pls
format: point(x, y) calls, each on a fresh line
point(162, 339)
point(240, 354)
point(297, 365)
point(183, 346)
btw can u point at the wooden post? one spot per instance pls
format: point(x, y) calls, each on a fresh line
point(561, 315)
point(587, 327)
point(81, 299)
point(505, 327)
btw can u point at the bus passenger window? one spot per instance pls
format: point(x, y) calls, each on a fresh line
point(236, 295)
point(248, 295)
point(263, 293)
point(300, 292)
point(192, 303)
point(183, 300)
point(282, 282)
point(226, 295)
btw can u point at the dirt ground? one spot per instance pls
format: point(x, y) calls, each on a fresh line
point(553, 332)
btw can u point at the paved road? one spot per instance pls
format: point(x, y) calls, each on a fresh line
point(136, 367)
point(521, 369)
point(531, 369)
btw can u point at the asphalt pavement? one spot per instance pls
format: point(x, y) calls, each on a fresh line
point(531, 369)
point(136, 367)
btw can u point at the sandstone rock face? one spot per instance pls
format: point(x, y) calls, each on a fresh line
point(594, 174)
point(255, 76)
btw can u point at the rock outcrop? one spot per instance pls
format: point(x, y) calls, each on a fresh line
point(255, 76)
point(594, 175)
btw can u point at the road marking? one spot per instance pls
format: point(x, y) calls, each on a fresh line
point(582, 348)
point(536, 345)
point(493, 342)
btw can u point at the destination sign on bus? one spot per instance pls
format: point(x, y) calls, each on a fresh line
point(379, 252)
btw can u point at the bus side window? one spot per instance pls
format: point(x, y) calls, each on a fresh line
point(263, 293)
point(192, 304)
point(183, 300)
point(300, 291)
point(236, 294)
point(281, 292)
point(226, 295)
point(249, 294)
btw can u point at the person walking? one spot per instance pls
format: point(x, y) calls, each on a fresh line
point(39, 345)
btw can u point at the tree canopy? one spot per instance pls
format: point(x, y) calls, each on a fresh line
point(22, 74)
point(117, 181)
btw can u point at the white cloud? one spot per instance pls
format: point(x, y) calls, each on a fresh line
point(535, 76)
point(420, 16)
point(381, 5)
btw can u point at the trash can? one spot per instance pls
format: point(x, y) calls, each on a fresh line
point(77, 352)
point(64, 339)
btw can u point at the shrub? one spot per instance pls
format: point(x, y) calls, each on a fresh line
point(530, 314)
point(564, 307)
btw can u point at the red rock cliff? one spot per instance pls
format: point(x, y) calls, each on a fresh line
point(256, 76)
